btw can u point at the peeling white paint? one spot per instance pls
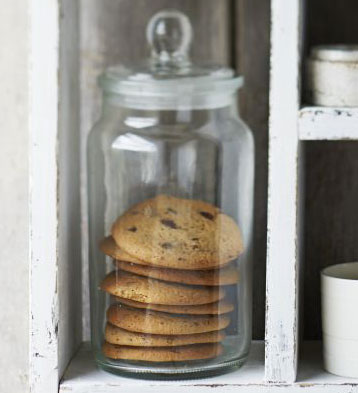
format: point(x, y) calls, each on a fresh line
point(323, 123)
point(44, 93)
point(282, 244)
point(55, 262)
point(83, 377)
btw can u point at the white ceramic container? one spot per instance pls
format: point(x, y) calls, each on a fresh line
point(332, 75)
point(339, 291)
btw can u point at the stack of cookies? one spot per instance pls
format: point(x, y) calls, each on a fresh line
point(173, 259)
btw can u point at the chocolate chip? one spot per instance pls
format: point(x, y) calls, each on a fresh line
point(195, 239)
point(132, 229)
point(207, 215)
point(169, 223)
point(167, 246)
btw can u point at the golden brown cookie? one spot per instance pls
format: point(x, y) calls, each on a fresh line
point(216, 308)
point(150, 290)
point(109, 247)
point(164, 354)
point(154, 322)
point(226, 275)
point(178, 233)
point(118, 336)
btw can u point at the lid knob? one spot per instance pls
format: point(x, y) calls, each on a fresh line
point(169, 34)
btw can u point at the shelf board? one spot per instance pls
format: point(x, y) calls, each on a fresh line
point(82, 376)
point(311, 370)
point(330, 124)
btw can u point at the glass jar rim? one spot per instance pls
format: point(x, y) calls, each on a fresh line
point(170, 87)
point(171, 94)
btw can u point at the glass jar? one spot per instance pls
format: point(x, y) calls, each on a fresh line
point(170, 188)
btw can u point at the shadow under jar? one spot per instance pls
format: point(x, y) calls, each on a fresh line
point(170, 190)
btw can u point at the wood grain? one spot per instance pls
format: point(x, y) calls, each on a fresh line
point(251, 58)
point(69, 230)
point(283, 254)
point(55, 268)
point(44, 99)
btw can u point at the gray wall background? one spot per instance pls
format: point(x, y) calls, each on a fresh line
point(14, 230)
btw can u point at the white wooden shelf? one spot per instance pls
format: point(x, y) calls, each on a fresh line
point(82, 376)
point(330, 124)
point(311, 372)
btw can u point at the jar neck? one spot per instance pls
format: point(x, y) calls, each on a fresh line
point(141, 118)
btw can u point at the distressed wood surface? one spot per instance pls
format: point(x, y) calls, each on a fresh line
point(44, 93)
point(55, 260)
point(283, 202)
point(82, 377)
point(331, 171)
point(321, 123)
point(96, 380)
point(251, 58)
point(331, 217)
point(113, 32)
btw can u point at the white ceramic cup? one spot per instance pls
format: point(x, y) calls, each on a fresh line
point(332, 75)
point(339, 291)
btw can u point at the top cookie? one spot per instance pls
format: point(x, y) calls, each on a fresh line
point(109, 247)
point(178, 233)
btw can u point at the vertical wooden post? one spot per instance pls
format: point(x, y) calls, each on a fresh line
point(55, 261)
point(44, 94)
point(283, 198)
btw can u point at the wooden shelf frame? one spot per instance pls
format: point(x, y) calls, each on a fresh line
point(55, 304)
point(290, 126)
point(328, 124)
point(283, 251)
point(249, 379)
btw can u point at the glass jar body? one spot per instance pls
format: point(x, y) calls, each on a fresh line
point(175, 158)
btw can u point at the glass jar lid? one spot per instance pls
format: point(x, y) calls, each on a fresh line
point(168, 79)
